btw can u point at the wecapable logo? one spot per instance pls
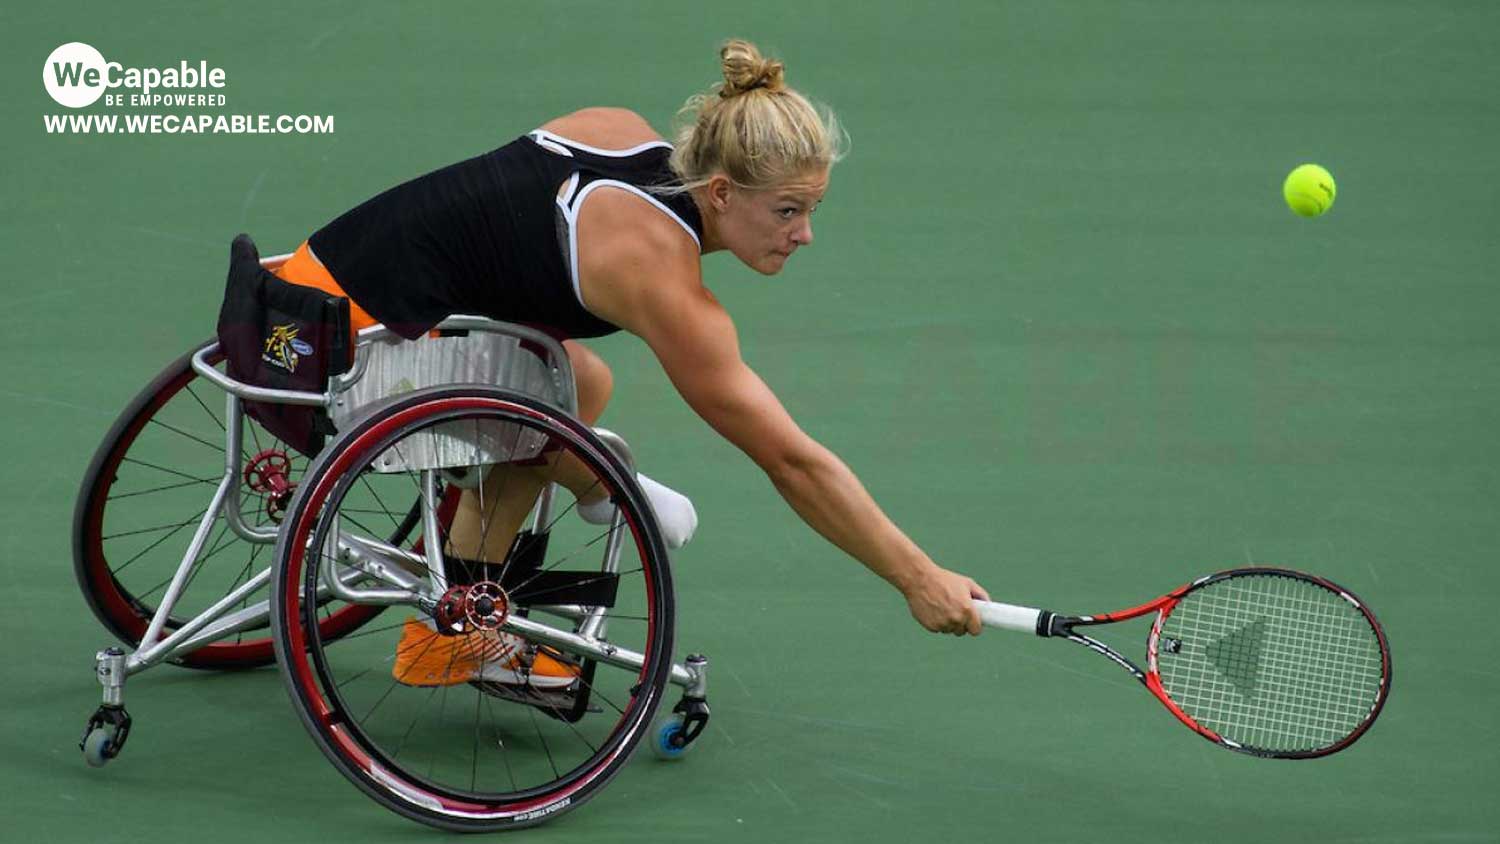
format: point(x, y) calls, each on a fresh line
point(76, 75)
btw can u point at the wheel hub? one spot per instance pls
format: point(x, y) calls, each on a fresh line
point(268, 474)
point(481, 606)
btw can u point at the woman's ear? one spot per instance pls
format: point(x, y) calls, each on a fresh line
point(719, 191)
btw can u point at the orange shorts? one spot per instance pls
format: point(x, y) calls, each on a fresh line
point(304, 269)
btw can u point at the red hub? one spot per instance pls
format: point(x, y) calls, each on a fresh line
point(269, 474)
point(486, 605)
point(463, 609)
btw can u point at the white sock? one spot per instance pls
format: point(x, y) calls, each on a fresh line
point(674, 512)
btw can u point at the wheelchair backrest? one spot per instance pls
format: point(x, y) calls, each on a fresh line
point(282, 336)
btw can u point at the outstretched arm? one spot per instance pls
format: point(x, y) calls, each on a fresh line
point(695, 340)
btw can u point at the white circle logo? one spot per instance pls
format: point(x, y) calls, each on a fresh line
point(74, 74)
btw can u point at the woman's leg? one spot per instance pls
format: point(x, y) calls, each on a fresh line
point(483, 529)
point(489, 518)
point(595, 382)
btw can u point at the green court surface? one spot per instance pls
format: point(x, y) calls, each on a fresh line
point(1057, 318)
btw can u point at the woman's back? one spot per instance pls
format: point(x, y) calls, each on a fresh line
point(493, 235)
point(604, 127)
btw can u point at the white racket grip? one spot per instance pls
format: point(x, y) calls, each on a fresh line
point(1008, 616)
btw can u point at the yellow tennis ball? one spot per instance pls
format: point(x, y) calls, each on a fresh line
point(1309, 190)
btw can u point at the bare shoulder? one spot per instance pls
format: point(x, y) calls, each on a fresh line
point(604, 127)
point(628, 252)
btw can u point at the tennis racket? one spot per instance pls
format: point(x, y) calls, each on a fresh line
point(1265, 661)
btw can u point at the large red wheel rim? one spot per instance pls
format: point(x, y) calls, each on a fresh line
point(310, 681)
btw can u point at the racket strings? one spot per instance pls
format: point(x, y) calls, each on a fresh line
point(1271, 662)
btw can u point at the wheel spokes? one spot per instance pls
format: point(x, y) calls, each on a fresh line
point(475, 730)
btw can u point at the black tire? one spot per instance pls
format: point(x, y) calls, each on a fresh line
point(142, 496)
point(456, 756)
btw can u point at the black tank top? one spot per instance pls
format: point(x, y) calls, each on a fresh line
point(491, 235)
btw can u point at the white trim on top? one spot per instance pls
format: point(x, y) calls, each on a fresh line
point(566, 197)
point(550, 146)
point(559, 144)
point(570, 213)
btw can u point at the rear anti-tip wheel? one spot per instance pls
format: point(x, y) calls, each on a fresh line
point(99, 746)
point(105, 735)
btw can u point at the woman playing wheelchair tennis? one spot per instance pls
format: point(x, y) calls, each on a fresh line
point(592, 224)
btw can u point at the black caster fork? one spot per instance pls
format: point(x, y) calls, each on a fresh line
point(676, 733)
point(109, 726)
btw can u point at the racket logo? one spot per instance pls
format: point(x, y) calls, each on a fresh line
point(1237, 656)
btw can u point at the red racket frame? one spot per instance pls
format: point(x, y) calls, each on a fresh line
point(1054, 624)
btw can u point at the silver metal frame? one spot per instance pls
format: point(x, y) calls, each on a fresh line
point(372, 572)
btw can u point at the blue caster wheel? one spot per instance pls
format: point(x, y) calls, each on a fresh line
point(99, 746)
point(105, 735)
point(670, 739)
point(676, 733)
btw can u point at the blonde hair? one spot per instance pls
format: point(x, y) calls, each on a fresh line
point(752, 128)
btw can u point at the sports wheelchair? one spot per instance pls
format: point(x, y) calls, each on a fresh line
point(317, 556)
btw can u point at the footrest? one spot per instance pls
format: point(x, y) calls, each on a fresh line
point(559, 703)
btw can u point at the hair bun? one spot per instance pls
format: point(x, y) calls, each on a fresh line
point(746, 70)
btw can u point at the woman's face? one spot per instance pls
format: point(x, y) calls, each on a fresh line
point(764, 227)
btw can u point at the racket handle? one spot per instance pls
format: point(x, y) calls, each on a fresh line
point(1008, 616)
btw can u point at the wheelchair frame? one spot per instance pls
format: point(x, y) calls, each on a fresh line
point(371, 572)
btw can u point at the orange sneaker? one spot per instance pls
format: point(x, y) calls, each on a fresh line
point(426, 658)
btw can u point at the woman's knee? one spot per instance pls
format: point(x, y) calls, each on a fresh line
point(595, 382)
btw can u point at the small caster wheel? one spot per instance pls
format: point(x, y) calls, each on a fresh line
point(104, 736)
point(676, 733)
point(99, 746)
point(670, 739)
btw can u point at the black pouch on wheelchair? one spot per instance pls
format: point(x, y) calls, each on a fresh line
point(282, 336)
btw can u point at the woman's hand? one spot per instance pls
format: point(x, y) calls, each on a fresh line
point(943, 602)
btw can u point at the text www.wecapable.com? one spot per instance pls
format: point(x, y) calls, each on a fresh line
point(188, 124)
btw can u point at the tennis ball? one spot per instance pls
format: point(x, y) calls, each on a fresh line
point(1309, 190)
